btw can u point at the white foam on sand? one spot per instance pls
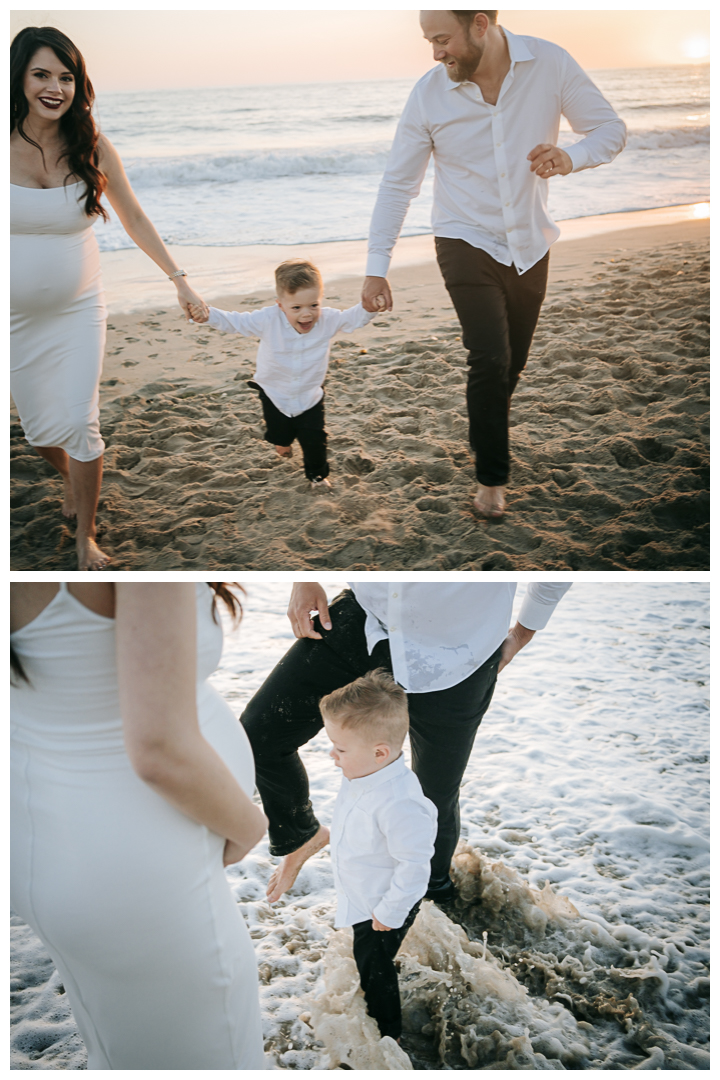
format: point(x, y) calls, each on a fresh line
point(583, 868)
point(133, 282)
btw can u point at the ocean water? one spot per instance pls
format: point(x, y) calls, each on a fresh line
point(301, 164)
point(585, 818)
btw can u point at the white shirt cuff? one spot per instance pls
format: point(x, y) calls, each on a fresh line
point(578, 155)
point(539, 603)
point(377, 265)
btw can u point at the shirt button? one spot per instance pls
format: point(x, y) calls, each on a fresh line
point(392, 629)
point(498, 144)
point(394, 596)
point(507, 203)
point(503, 175)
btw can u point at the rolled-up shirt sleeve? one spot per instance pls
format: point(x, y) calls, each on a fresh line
point(401, 183)
point(591, 115)
point(540, 601)
point(409, 828)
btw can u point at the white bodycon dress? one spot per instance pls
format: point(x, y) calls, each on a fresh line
point(128, 894)
point(57, 319)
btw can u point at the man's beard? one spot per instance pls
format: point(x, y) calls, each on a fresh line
point(466, 66)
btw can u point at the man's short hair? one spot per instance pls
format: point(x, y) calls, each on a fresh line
point(466, 17)
point(297, 274)
point(374, 706)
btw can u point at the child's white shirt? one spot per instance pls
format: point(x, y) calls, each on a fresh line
point(291, 367)
point(381, 842)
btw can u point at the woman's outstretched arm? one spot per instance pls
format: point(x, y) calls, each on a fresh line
point(156, 656)
point(137, 224)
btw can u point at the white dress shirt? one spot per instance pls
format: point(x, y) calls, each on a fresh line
point(484, 190)
point(290, 366)
point(440, 633)
point(381, 841)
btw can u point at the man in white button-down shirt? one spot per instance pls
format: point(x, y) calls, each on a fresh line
point(444, 643)
point(489, 113)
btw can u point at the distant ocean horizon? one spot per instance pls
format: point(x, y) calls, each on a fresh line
point(298, 164)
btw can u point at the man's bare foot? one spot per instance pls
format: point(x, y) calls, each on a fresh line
point(284, 451)
point(68, 506)
point(320, 487)
point(285, 874)
point(490, 502)
point(90, 557)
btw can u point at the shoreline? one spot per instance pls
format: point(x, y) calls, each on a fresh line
point(609, 432)
point(134, 284)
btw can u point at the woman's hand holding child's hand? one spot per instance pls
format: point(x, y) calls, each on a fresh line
point(199, 313)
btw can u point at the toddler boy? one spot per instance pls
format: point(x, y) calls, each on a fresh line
point(382, 834)
point(292, 360)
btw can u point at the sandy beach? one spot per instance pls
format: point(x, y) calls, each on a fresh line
point(609, 431)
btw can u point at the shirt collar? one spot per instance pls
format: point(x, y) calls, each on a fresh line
point(374, 780)
point(517, 48)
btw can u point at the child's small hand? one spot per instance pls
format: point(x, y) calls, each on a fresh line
point(379, 926)
point(200, 312)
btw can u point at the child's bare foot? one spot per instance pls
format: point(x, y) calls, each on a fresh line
point(284, 875)
point(90, 557)
point(284, 451)
point(69, 508)
point(320, 487)
point(490, 502)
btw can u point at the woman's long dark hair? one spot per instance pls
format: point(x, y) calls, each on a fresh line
point(77, 125)
point(223, 591)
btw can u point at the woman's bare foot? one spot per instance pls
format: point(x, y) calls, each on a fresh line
point(90, 557)
point(284, 451)
point(284, 875)
point(69, 508)
point(490, 502)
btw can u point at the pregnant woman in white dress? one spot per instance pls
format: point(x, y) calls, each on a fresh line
point(131, 784)
point(59, 168)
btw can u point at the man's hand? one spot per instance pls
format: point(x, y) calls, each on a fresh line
point(376, 294)
point(513, 643)
point(379, 926)
point(308, 596)
point(547, 160)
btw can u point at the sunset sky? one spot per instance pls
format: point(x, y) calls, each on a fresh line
point(131, 50)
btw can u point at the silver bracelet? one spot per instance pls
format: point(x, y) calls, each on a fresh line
point(178, 273)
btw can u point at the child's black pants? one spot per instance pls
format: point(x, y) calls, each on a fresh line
point(308, 428)
point(375, 952)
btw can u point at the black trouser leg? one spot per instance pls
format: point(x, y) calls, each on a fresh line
point(311, 434)
point(375, 952)
point(284, 714)
point(279, 428)
point(498, 309)
point(443, 725)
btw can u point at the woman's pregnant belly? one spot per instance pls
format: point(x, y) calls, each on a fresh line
point(53, 273)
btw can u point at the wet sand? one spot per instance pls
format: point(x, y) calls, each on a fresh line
point(609, 434)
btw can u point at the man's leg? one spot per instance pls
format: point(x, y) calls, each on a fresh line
point(476, 285)
point(284, 714)
point(525, 294)
point(442, 731)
